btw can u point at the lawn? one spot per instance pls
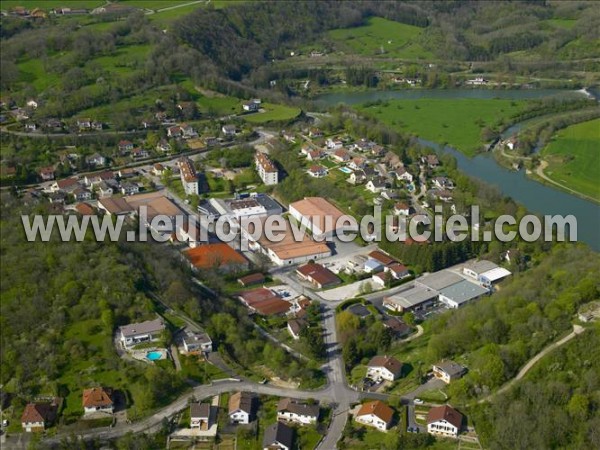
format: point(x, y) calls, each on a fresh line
point(382, 37)
point(49, 4)
point(32, 71)
point(219, 105)
point(573, 158)
point(170, 15)
point(272, 113)
point(562, 23)
point(457, 122)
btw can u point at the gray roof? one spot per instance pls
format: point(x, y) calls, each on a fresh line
point(463, 292)
point(451, 368)
point(278, 432)
point(297, 407)
point(197, 338)
point(439, 280)
point(481, 266)
point(135, 329)
point(200, 410)
point(269, 203)
point(412, 296)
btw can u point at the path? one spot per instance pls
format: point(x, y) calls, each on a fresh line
point(577, 329)
point(539, 171)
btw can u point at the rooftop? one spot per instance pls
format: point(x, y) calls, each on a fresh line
point(480, 266)
point(278, 433)
point(439, 280)
point(97, 396)
point(412, 296)
point(381, 257)
point(263, 160)
point(149, 326)
point(450, 367)
point(214, 256)
point(388, 362)
point(297, 407)
point(241, 401)
point(463, 291)
point(447, 413)
point(318, 274)
point(378, 409)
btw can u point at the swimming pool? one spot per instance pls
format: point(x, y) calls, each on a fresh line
point(346, 170)
point(154, 356)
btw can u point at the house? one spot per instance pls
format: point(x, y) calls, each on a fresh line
point(127, 173)
point(229, 130)
point(461, 293)
point(37, 416)
point(333, 144)
point(82, 195)
point(375, 414)
point(216, 256)
point(381, 279)
point(97, 126)
point(357, 177)
point(105, 190)
point(252, 279)
point(383, 258)
point(158, 169)
point(397, 327)
point(401, 209)
point(444, 421)
point(431, 161)
point(443, 183)
point(84, 209)
point(363, 145)
point(136, 333)
point(187, 131)
point(317, 171)
point(139, 153)
point(96, 160)
point(265, 302)
point(404, 175)
point(67, 185)
point(96, 178)
point(315, 133)
point(174, 131)
point(376, 185)
point(384, 368)
point(267, 171)
point(315, 155)
point(202, 415)
point(295, 327)
point(189, 176)
point(129, 188)
point(32, 104)
point(377, 151)
point(297, 411)
point(30, 126)
point(278, 437)
point(321, 217)
point(197, 343)
point(163, 146)
point(358, 162)
point(318, 275)
point(125, 147)
point(389, 194)
point(242, 408)
point(251, 106)
point(84, 124)
point(448, 371)
point(397, 271)
point(443, 195)
point(97, 400)
point(341, 155)
point(47, 173)
point(289, 137)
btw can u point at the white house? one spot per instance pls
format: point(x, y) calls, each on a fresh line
point(267, 171)
point(376, 185)
point(97, 400)
point(384, 368)
point(444, 421)
point(197, 342)
point(278, 436)
point(241, 408)
point(317, 171)
point(448, 370)
point(375, 414)
point(201, 415)
point(404, 175)
point(297, 411)
point(136, 333)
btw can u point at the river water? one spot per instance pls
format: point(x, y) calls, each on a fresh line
point(536, 197)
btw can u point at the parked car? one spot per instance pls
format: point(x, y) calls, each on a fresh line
point(418, 401)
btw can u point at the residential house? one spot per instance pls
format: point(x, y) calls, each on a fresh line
point(341, 155)
point(315, 155)
point(197, 343)
point(334, 144)
point(443, 183)
point(362, 145)
point(392, 161)
point(30, 127)
point(97, 400)
point(82, 195)
point(242, 408)
point(289, 137)
point(127, 173)
point(265, 302)
point(444, 421)
point(84, 124)
point(252, 279)
point(381, 257)
point(375, 414)
point(163, 146)
point(431, 161)
point(358, 162)
point(66, 185)
point(39, 415)
point(267, 170)
point(251, 106)
point(295, 327)
point(384, 368)
point(174, 131)
point(216, 256)
point(97, 126)
point(202, 415)
point(137, 333)
point(105, 190)
point(404, 175)
point(32, 104)
point(96, 160)
point(377, 151)
point(448, 371)
point(84, 209)
point(402, 209)
point(376, 185)
point(158, 169)
point(315, 133)
point(187, 131)
point(317, 171)
point(47, 173)
point(125, 147)
point(57, 197)
point(443, 195)
point(278, 437)
point(381, 279)
point(139, 153)
point(96, 178)
point(389, 194)
point(229, 130)
point(397, 270)
point(357, 177)
point(129, 188)
point(318, 275)
point(397, 326)
point(297, 411)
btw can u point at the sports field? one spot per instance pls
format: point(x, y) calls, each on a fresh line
point(573, 158)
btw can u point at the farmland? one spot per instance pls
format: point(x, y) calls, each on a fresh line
point(573, 158)
point(382, 37)
point(458, 123)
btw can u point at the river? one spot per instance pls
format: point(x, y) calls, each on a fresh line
point(536, 197)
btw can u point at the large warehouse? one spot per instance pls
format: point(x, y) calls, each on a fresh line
point(321, 217)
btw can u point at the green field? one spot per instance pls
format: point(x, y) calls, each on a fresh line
point(49, 4)
point(382, 37)
point(573, 158)
point(220, 105)
point(272, 113)
point(457, 122)
point(562, 23)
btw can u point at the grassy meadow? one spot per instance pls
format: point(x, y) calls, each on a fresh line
point(456, 122)
point(396, 39)
point(574, 159)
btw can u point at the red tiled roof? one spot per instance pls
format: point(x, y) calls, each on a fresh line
point(97, 396)
point(84, 209)
point(214, 255)
point(253, 278)
point(377, 408)
point(319, 274)
point(447, 413)
point(388, 362)
point(382, 257)
point(35, 412)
